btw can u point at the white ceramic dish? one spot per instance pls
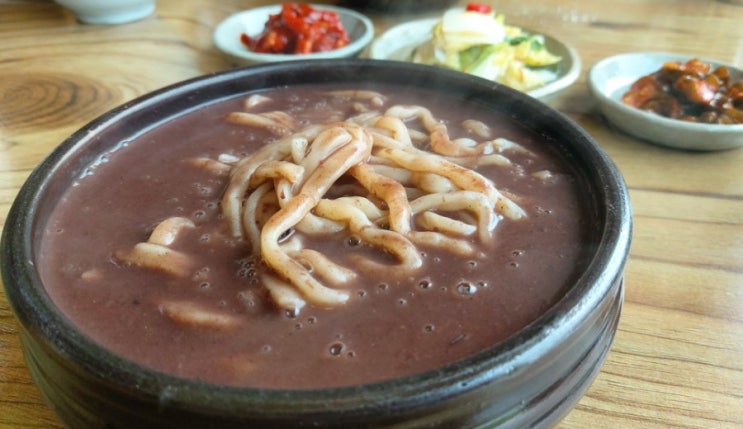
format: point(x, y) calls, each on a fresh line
point(109, 11)
point(610, 78)
point(398, 44)
point(227, 35)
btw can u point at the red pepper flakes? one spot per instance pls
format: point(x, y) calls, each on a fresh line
point(478, 7)
point(299, 29)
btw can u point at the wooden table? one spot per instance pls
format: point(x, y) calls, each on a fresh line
point(677, 361)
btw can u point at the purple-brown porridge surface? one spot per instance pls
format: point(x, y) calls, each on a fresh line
point(388, 328)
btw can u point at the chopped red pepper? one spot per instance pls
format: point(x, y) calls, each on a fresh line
point(478, 7)
point(299, 29)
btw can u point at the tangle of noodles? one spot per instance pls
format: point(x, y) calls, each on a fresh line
point(394, 187)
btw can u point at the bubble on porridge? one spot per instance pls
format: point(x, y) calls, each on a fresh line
point(543, 211)
point(354, 241)
point(250, 300)
point(201, 274)
point(466, 288)
point(247, 273)
point(336, 348)
point(425, 284)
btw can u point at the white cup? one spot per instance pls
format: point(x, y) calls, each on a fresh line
point(109, 11)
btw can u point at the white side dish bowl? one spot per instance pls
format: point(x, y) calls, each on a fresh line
point(252, 22)
point(109, 11)
point(399, 42)
point(609, 80)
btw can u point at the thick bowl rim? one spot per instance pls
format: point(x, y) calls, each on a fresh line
point(27, 295)
point(221, 33)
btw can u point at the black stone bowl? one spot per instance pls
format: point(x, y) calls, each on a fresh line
point(530, 380)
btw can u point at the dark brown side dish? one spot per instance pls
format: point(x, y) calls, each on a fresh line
point(694, 91)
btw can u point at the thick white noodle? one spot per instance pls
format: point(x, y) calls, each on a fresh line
point(404, 188)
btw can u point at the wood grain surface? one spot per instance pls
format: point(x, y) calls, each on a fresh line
point(677, 360)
